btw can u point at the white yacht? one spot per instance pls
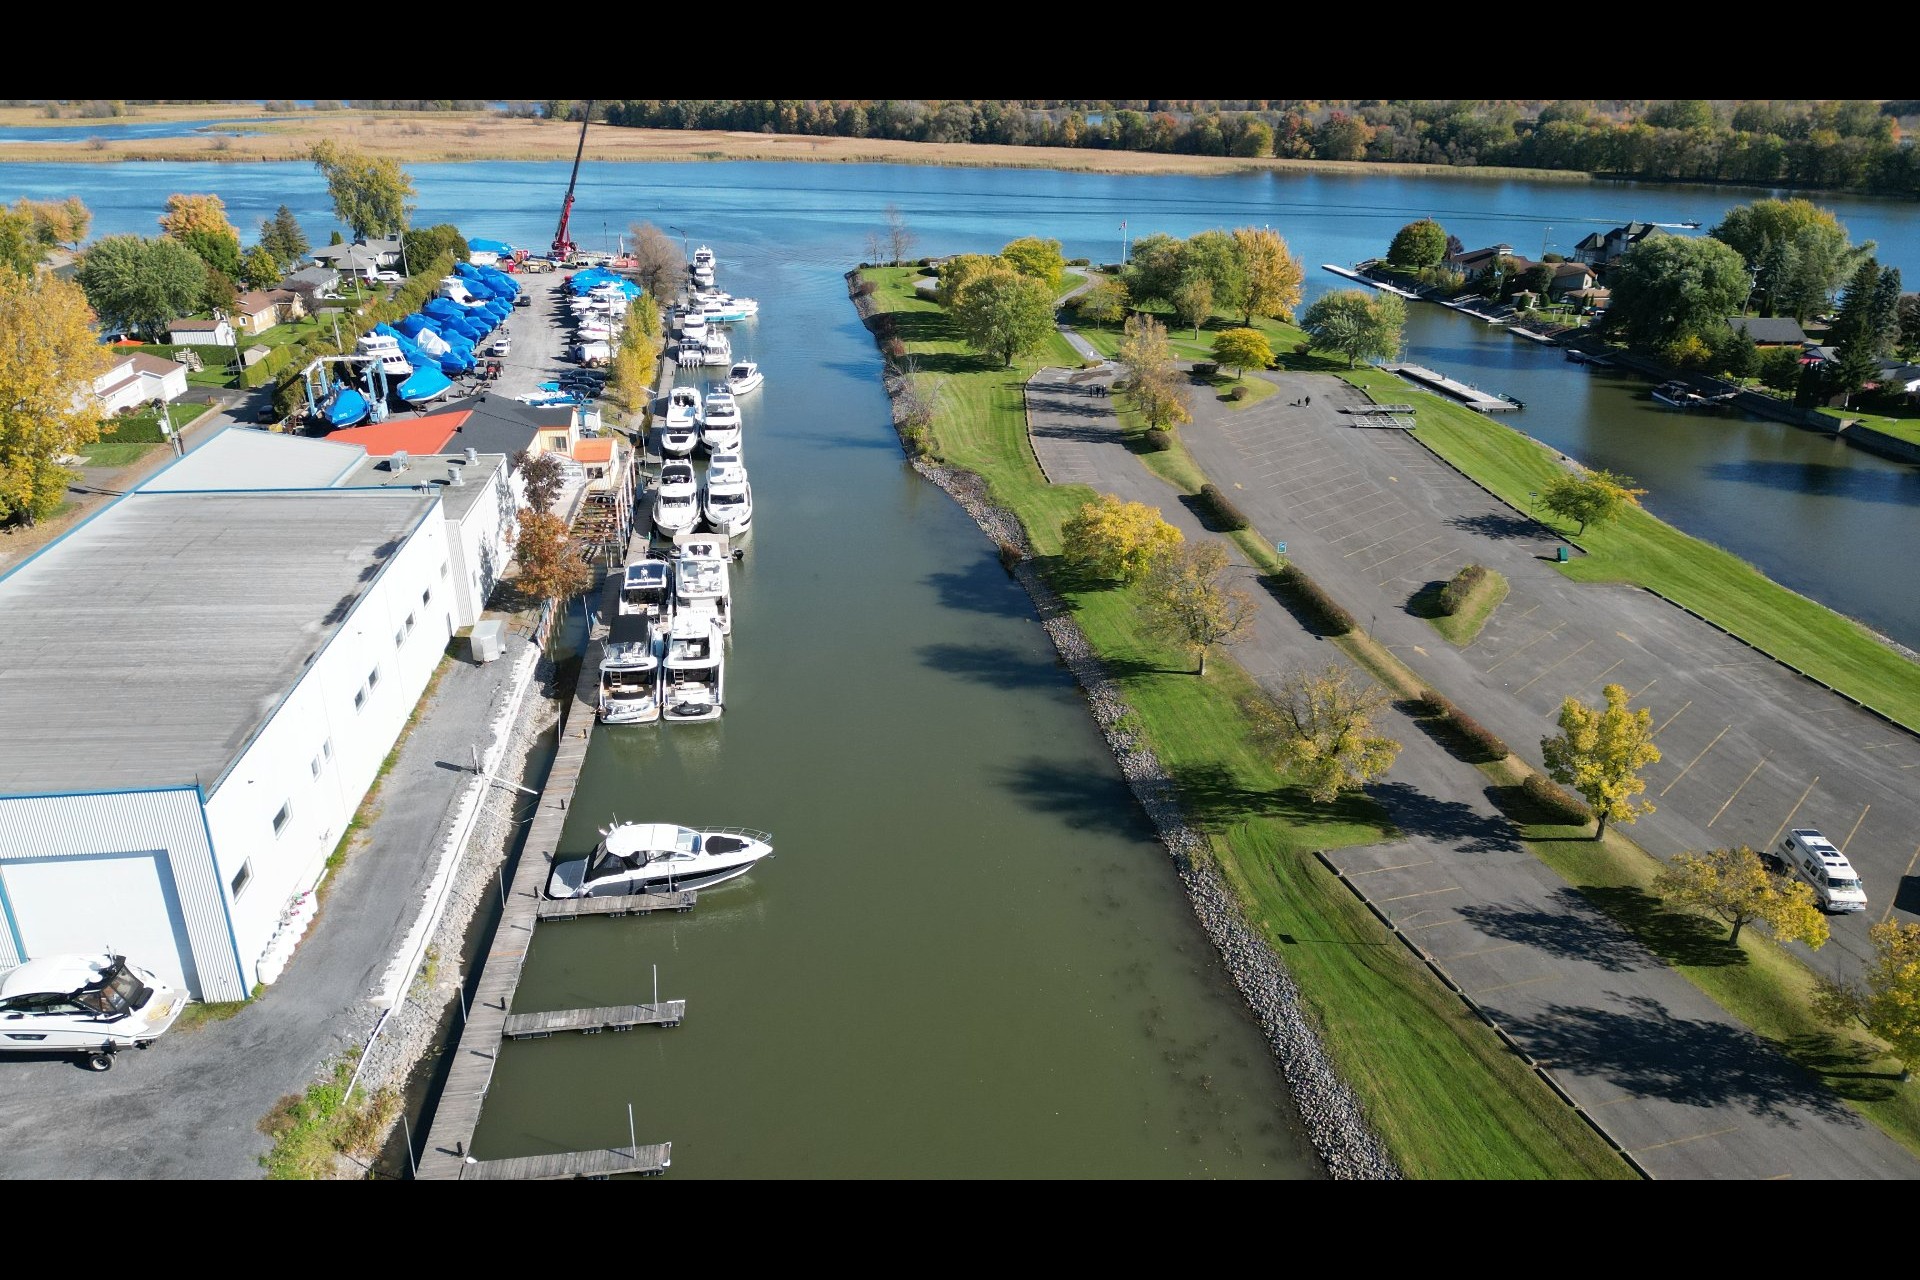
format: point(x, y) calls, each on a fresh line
point(386, 349)
point(630, 681)
point(680, 429)
point(693, 669)
point(693, 327)
point(724, 308)
point(744, 377)
point(715, 349)
point(719, 421)
point(702, 585)
point(726, 500)
point(648, 857)
point(701, 268)
point(676, 500)
point(647, 590)
point(92, 1005)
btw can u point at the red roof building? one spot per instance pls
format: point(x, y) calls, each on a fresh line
point(402, 435)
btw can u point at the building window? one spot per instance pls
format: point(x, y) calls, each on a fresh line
point(409, 624)
point(283, 817)
point(316, 766)
point(373, 679)
point(360, 697)
point(326, 749)
point(443, 568)
point(426, 597)
point(399, 637)
point(241, 877)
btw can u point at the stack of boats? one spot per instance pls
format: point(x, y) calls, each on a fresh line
point(667, 658)
point(697, 322)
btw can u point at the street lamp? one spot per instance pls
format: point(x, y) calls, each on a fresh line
point(683, 239)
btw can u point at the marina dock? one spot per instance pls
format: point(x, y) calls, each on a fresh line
point(1369, 281)
point(619, 1017)
point(634, 904)
point(603, 1163)
point(1472, 397)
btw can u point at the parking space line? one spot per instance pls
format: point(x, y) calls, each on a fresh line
point(1545, 635)
point(1789, 818)
point(1437, 924)
point(1910, 861)
point(1675, 716)
point(1576, 653)
point(1484, 951)
point(1508, 986)
point(1856, 829)
point(1424, 893)
point(1648, 685)
point(1398, 866)
point(1711, 1133)
point(1696, 760)
point(1742, 787)
point(1604, 674)
point(1371, 545)
point(1396, 555)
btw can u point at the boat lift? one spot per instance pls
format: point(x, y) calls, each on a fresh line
point(321, 385)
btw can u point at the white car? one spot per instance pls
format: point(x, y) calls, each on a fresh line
point(388, 277)
point(93, 1005)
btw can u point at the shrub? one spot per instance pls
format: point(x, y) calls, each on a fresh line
point(1158, 440)
point(1455, 593)
point(863, 289)
point(1230, 517)
point(1205, 369)
point(1554, 801)
point(1009, 556)
point(1079, 262)
point(1297, 587)
point(1431, 705)
point(1481, 743)
point(1238, 393)
point(894, 348)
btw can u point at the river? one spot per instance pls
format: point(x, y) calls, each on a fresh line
point(969, 956)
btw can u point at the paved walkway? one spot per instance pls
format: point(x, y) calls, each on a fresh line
point(1676, 1082)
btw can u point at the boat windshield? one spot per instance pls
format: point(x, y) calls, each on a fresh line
point(608, 863)
point(117, 995)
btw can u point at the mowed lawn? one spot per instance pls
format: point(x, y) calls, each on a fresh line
point(1448, 1097)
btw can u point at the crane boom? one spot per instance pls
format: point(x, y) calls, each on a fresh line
point(562, 245)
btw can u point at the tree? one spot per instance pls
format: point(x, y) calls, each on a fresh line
point(1001, 312)
point(205, 214)
point(1866, 327)
point(1103, 302)
point(1153, 379)
point(1418, 245)
point(259, 269)
point(659, 264)
point(549, 569)
point(899, 238)
point(1037, 258)
point(1115, 539)
point(1780, 369)
point(1320, 729)
point(1356, 323)
point(1215, 257)
point(21, 247)
point(57, 222)
point(1193, 302)
point(48, 352)
point(141, 283)
point(424, 246)
point(1735, 885)
point(1187, 601)
point(1273, 275)
point(1667, 287)
point(1886, 1000)
point(1591, 497)
point(371, 194)
point(1797, 251)
point(281, 236)
point(956, 271)
point(540, 473)
point(1153, 269)
point(1242, 349)
point(1599, 752)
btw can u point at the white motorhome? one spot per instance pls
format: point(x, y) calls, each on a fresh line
point(91, 1005)
point(1812, 857)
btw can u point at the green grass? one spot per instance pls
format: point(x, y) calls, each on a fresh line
point(1640, 548)
point(117, 455)
point(1462, 627)
point(311, 1130)
point(1907, 429)
point(1448, 1097)
point(202, 1013)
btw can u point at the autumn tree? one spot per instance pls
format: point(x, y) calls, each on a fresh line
point(1886, 999)
point(540, 473)
point(899, 237)
point(49, 358)
point(1242, 349)
point(1214, 256)
point(1599, 752)
point(1186, 600)
point(1736, 886)
point(21, 247)
point(1103, 302)
point(1273, 275)
point(660, 265)
point(1418, 245)
point(141, 283)
point(549, 567)
point(1319, 728)
point(1357, 323)
point(187, 215)
point(1115, 539)
point(258, 268)
point(1037, 258)
point(1591, 497)
point(371, 194)
point(57, 222)
point(1153, 379)
point(1001, 312)
point(282, 237)
point(1193, 302)
point(957, 271)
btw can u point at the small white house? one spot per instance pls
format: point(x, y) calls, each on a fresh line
point(139, 379)
point(201, 333)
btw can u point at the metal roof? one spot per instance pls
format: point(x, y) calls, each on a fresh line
point(434, 470)
point(147, 647)
point(243, 458)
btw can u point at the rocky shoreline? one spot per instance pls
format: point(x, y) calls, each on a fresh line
point(1329, 1110)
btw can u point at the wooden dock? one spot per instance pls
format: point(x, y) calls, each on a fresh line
point(604, 1163)
point(613, 1017)
point(630, 904)
point(1472, 397)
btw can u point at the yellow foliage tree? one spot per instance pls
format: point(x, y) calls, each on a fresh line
point(1153, 379)
point(1735, 885)
point(549, 567)
point(1116, 540)
point(1187, 601)
point(1886, 1001)
point(49, 358)
point(1600, 751)
point(1320, 730)
point(1274, 275)
point(204, 215)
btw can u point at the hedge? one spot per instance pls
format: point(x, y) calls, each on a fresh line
point(1455, 593)
point(1556, 801)
point(1230, 517)
point(1304, 592)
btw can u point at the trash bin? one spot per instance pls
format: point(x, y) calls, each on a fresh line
point(1561, 555)
point(488, 641)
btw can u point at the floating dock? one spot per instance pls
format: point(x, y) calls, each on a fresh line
point(619, 1017)
point(1472, 397)
point(1370, 282)
point(604, 1163)
point(633, 904)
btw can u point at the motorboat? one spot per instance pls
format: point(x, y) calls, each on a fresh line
point(676, 502)
point(386, 349)
point(702, 586)
point(680, 429)
point(692, 326)
point(630, 681)
point(423, 386)
point(745, 376)
point(701, 269)
point(647, 590)
point(715, 350)
point(648, 857)
point(1678, 395)
point(93, 1005)
point(719, 421)
point(724, 308)
point(693, 669)
point(726, 501)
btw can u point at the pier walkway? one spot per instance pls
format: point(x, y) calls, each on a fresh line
point(1472, 397)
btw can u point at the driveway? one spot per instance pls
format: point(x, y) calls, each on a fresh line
point(1681, 1086)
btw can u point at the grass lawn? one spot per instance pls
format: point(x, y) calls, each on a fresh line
point(1640, 548)
point(1462, 627)
point(1448, 1097)
point(107, 454)
point(1907, 429)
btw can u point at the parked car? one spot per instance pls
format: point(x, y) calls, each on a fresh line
point(501, 347)
point(388, 277)
point(524, 300)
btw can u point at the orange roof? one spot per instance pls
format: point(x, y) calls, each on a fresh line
point(594, 449)
point(400, 435)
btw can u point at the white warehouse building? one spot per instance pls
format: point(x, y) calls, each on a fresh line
point(198, 689)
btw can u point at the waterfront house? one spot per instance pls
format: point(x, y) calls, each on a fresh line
point(1601, 248)
point(216, 332)
point(313, 282)
point(138, 379)
point(1770, 331)
point(1474, 263)
point(1569, 278)
point(262, 309)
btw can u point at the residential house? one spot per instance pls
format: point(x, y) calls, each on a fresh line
point(1770, 331)
point(138, 379)
point(601, 462)
point(262, 309)
point(1474, 263)
point(313, 282)
point(1568, 278)
point(1898, 376)
point(1602, 248)
point(1589, 300)
point(361, 258)
point(201, 333)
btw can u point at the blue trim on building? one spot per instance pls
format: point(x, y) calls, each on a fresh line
point(110, 791)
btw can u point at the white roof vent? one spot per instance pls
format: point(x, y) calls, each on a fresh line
point(473, 455)
point(454, 477)
point(398, 462)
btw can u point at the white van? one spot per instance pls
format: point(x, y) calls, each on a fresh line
point(1812, 857)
